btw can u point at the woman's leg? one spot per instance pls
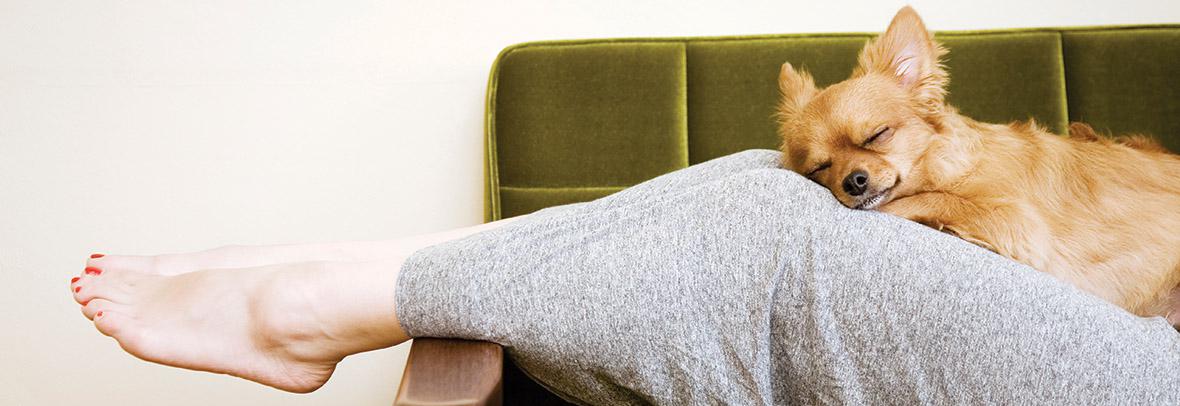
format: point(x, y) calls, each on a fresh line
point(754, 289)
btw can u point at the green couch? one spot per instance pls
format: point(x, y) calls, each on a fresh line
point(571, 121)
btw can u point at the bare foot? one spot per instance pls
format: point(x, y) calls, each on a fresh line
point(232, 310)
point(285, 326)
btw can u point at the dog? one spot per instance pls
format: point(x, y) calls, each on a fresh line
point(1100, 213)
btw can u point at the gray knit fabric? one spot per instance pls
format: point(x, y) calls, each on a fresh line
point(733, 282)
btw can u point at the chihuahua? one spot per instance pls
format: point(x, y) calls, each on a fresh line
point(1097, 212)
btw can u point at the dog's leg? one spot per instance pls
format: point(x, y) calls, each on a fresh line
point(943, 212)
point(933, 209)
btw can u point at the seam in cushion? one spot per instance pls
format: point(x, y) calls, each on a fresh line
point(1064, 80)
point(533, 188)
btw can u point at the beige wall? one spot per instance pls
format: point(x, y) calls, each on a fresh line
point(148, 126)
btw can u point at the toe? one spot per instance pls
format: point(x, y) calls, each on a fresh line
point(91, 308)
point(77, 287)
point(110, 323)
point(87, 289)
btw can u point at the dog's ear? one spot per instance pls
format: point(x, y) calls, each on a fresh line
point(796, 89)
point(908, 53)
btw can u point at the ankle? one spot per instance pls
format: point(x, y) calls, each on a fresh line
point(348, 307)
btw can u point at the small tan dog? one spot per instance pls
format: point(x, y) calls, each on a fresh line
point(1102, 214)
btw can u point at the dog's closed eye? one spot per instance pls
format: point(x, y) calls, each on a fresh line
point(819, 168)
point(882, 133)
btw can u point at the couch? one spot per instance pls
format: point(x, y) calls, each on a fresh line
point(571, 121)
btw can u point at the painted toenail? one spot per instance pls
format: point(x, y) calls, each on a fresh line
point(77, 289)
point(75, 279)
point(93, 271)
point(99, 314)
point(96, 255)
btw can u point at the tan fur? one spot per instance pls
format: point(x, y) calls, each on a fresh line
point(1097, 212)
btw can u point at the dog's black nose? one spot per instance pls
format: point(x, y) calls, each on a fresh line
point(856, 183)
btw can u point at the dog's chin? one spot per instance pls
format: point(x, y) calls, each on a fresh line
point(873, 201)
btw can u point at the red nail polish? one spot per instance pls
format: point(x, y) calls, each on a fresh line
point(77, 289)
point(93, 271)
point(75, 280)
point(97, 255)
point(99, 314)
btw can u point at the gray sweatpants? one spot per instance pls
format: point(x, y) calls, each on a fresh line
point(733, 282)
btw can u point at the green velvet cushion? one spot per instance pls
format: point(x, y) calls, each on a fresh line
point(1126, 80)
point(733, 87)
point(597, 115)
point(571, 121)
point(1004, 77)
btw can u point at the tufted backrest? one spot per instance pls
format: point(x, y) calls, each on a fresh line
point(571, 121)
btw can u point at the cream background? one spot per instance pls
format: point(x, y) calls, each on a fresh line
point(148, 127)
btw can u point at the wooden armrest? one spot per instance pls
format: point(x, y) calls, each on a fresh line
point(452, 373)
